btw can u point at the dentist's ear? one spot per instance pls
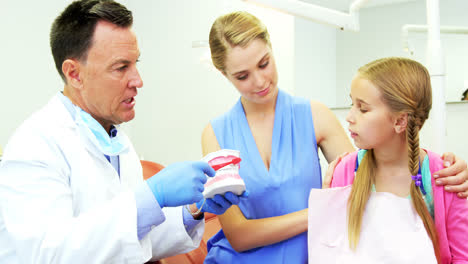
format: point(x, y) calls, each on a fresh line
point(71, 71)
point(401, 122)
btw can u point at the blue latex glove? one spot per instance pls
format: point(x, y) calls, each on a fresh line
point(180, 183)
point(219, 204)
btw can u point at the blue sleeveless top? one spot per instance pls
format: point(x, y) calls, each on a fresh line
point(283, 189)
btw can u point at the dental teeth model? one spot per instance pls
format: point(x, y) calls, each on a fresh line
point(227, 179)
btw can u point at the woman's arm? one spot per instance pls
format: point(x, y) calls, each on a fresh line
point(244, 234)
point(330, 135)
point(331, 138)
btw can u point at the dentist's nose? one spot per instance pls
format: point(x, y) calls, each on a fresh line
point(135, 79)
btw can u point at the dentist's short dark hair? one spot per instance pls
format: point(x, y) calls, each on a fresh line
point(72, 32)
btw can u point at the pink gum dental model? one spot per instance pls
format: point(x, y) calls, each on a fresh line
point(227, 179)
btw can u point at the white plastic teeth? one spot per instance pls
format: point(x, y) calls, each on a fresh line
point(227, 178)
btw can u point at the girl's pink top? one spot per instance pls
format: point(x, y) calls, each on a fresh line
point(450, 212)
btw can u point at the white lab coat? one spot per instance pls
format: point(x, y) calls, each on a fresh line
point(61, 201)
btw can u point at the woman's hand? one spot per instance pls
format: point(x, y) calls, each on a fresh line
point(455, 175)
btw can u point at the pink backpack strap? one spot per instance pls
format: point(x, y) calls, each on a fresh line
point(344, 171)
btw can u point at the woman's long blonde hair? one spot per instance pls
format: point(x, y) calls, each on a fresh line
point(405, 86)
point(231, 30)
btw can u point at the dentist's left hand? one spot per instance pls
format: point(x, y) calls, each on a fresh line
point(220, 203)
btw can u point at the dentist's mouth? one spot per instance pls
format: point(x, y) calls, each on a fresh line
point(130, 102)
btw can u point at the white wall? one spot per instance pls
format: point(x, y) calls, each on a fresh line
point(327, 59)
point(180, 94)
point(315, 61)
point(380, 36)
point(27, 72)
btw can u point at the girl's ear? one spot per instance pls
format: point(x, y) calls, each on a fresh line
point(401, 122)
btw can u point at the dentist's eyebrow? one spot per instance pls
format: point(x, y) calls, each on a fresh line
point(124, 61)
point(121, 61)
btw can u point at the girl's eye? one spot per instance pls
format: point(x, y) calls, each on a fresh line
point(363, 110)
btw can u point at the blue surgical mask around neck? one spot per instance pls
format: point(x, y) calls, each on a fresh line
point(111, 146)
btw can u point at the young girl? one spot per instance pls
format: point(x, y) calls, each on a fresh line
point(393, 212)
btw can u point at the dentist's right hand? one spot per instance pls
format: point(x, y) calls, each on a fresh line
point(180, 183)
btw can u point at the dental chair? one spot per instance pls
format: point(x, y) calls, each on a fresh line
point(212, 226)
point(150, 168)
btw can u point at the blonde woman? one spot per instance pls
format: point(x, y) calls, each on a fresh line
point(277, 135)
point(393, 210)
